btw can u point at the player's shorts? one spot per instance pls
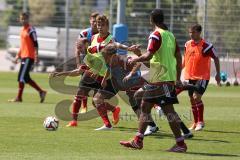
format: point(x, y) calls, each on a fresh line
point(87, 83)
point(25, 68)
point(200, 84)
point(109, 91)
point(160, 94)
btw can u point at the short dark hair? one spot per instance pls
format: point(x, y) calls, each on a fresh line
point(196, 27)
point(94, 15)
point(157, 16)
point(24, 14)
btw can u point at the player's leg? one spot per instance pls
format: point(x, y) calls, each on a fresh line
point(193, 106)
point(21, 83)
point(200, 107)
point(84, 105)
point(197, 104)
point(85, 86)
point(145, 115)
point(174, 123)
point(135, 103)
point(26, 76)
point(102, 106)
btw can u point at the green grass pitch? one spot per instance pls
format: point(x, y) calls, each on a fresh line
point(22, 136)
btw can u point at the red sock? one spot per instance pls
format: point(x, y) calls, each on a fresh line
point(102, 111)
point(139, 137)
point(194, 111)
point(20, 90)
point(109, 107)
point(180, 141)
point(34, 85)
point(200, 110)
point(76, 105)
point(84, 102)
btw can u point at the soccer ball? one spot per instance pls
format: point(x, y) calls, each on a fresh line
point(223, 76)
point(51, 123)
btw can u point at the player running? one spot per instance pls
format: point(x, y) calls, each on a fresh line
point(83, 41)
point(92, 78)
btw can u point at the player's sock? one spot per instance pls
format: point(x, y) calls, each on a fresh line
point(20, 90)
point(194, 111)
point(200, 110)
point(139, 137)
point(109, 107)
point(84, 102)
point(76, 105)
point(180, 141)
point(35, 86)
point(184, 128)
point(102, 111)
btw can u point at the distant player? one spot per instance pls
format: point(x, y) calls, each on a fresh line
point(165, 70)
point(197, 63)
point(28, 53)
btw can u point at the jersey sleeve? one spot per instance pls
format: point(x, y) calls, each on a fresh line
point(154, 42)
point(83, 34)
point(33, 36)
point(209, 50)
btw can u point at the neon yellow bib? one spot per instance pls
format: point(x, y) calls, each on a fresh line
point(163, 63)
point(95, 61)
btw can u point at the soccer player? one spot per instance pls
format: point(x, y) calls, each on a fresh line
point(84, 39)
point(28, 53)
point(165, 70)
point(92, 77)
point(197, 63)
point(125, 77)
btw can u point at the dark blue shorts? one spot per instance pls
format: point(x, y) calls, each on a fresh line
point(25, 68)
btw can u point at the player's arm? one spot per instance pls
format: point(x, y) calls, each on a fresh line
point(183, 62)
point(135, 68)
point(17, 57)
point(154, 43)
point(73, 73)
point(179, 62)
point(210, 50)
point(104, 80)
point(217, 66)
point(80, 49)
point(33, 36)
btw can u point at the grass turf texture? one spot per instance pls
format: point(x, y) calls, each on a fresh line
point(22, 135)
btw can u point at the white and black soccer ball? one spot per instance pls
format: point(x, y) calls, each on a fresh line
point(51, 123)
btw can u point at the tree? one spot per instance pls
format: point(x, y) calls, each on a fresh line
point(41, 11)
point(223, 23)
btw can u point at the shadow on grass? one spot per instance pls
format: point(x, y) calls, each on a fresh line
point(216, 131)
point(209, 140)
point(126, 129)
point(213, 154)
